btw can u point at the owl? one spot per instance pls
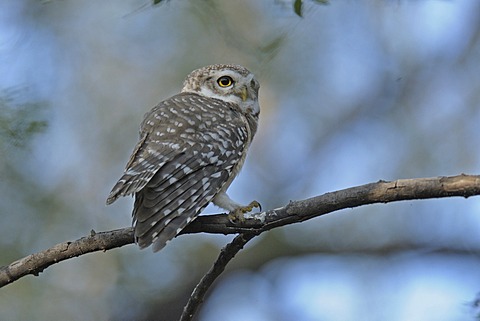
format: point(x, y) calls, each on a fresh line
point(191, 147)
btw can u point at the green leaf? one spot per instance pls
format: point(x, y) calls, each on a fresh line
point(297, 7)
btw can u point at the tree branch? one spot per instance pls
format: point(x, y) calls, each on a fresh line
point(225, 256)
point(37, 262)
point(294, 212)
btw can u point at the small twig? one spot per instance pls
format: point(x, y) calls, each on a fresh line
point(225, 256)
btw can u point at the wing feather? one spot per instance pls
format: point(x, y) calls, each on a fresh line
point(188, 150)
point(180, 202)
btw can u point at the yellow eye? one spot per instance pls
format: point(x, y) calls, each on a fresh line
point(225, 81)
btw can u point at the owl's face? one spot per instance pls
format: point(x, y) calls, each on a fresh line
point(230, 83)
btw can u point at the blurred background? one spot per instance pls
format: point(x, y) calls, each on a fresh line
point(351, 93)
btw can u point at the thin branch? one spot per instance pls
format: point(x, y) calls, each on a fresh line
point(225, 256)
point(37, 262)
point(294, 212)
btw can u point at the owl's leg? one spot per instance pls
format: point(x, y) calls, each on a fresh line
point(235, 209)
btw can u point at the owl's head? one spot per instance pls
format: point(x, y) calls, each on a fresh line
point(230, 83)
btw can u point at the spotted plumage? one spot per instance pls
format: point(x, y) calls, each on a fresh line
point(191, 147)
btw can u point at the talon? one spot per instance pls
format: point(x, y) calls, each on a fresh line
point(250, 207)
point(256, 204)
point(237, 214)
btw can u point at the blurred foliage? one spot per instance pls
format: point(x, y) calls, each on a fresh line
point(298, 6)
point(354, 92)
point(19, 122)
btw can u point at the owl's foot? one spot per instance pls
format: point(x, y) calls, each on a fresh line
point(237, 214)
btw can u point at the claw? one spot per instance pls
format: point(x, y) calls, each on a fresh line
point(237, 214)
point(257, 204)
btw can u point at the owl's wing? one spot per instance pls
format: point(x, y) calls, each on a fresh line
point(177, 193)
point(188, 149)
point(142, 166)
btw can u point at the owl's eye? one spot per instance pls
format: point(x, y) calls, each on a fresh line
point(225, 81)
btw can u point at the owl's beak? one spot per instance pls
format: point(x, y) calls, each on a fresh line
point(244, 93)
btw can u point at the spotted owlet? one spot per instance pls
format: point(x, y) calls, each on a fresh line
point(191, 147)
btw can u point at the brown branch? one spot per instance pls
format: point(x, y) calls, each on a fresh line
point(36, 263)
point(297, 211)
point(225, 256)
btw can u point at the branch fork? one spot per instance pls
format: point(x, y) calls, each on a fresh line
point(256, 223)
